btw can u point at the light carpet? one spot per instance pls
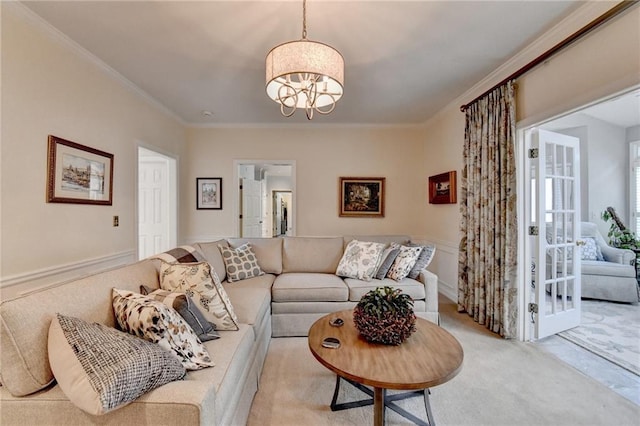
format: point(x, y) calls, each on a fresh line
point(610, 330)
point(502, 382)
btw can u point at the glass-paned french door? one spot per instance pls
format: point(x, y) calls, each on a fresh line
point(553, 166)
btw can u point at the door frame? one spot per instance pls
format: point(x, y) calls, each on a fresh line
point(236, 190)
point(172, 199)
point(525, 332)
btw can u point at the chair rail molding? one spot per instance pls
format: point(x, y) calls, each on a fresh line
point(28, 282)
point(444, 265)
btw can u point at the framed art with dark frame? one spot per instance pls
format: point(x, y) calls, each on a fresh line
point(362, 196)
point(209, 193)
point(442, 188)
point(78, 174)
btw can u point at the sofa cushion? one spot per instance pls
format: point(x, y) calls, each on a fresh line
point(425, 258)
point(404, 262)
point(153, 321)
point(360, 260)
point(212, 254)
point(187, 310)
point(100, 368)
point(202, 284)
point(309, 287)
point(311, 254)
point(594, 267)
point(268, 251)
point(358, 288)
point(240, 263)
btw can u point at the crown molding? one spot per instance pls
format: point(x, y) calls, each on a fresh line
point(586, 13)
point(29, 16)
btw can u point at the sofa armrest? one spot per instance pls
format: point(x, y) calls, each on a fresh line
point(430, 281)
point(618, 255)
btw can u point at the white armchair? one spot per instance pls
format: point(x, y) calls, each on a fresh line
point(612, 278)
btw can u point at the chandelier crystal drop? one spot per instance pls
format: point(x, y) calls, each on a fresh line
point(305, 74)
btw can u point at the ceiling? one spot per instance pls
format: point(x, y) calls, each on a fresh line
point(404, 60)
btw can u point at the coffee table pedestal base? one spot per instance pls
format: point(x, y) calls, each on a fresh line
point(380, 400)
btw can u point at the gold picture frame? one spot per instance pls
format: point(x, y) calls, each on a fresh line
point(362, 196)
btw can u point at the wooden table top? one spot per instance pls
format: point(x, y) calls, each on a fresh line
point(429, 357)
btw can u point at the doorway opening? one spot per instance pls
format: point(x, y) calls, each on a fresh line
point(255, 213)
point(607, 130)
point(281, 208)
point(157, 202)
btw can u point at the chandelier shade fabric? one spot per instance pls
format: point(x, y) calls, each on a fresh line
point(305, 74)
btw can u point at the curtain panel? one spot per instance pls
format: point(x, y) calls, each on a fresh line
point(487, 262)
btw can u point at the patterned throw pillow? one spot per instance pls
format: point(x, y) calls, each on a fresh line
point(157, 323)
point(426, 255)
point(360, 260)
point(182, 254)
point(591, 250)
point(241, 263)
point(386, 260)
point(100, 368)
point(403, 264)
point(187, 310)
point(200, 282)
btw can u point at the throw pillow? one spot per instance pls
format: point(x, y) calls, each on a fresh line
point(591, 250)
point(426, 255)
point(404, 262)
point(388, 257)
point(157, 323)
point(100, 368)
point(187, 310)
point(240, 263)
point(200, 282)
point(360, 260)
point(182, 254)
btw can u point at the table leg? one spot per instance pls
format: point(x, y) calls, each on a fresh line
point(427, 407)
point(378, 406)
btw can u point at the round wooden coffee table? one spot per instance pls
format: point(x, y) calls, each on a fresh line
point(429, 357)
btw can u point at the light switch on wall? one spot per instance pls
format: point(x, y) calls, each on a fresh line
point(116, 221)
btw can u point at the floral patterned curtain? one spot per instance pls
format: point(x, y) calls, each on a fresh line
point(487, 262)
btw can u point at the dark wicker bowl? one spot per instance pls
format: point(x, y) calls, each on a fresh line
point(392, 328)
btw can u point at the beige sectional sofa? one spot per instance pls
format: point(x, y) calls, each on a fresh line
point(299, 286)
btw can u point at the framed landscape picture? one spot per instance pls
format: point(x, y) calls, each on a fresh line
point(78, 174)
point(362, 197)
point(442, 188)
point(209, 193)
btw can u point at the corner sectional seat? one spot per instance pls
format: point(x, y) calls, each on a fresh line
point(297, 287)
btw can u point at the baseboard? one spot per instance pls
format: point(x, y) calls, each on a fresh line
point(20, 284)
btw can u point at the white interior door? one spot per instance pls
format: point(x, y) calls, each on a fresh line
point(554, 177)
point(156, 203)
point(251, 208)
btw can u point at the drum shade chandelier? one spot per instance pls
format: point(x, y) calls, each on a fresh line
point(305, 74)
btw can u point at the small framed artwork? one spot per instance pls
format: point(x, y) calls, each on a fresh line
point(209, 193)
point(78, 174)
point(442, 188)
point(362, 197)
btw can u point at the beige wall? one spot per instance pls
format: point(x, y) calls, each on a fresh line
point(322, 155)
point(47, 88)
point(605, 62)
